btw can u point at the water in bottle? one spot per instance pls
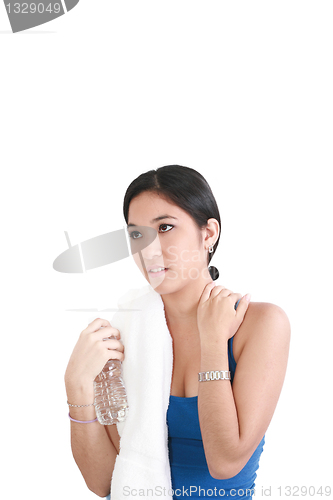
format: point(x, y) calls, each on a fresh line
point(110, 396)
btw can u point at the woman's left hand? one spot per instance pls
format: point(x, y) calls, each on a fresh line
point(216, 315)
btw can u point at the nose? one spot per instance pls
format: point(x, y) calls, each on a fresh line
point(152, 251)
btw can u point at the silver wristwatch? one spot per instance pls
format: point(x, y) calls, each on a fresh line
point(214, 375)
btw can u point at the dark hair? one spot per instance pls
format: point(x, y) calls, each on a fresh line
point(183, 186)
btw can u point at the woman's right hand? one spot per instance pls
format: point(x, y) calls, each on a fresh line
point(91, 353)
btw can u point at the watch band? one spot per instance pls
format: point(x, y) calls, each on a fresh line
point(214, 375)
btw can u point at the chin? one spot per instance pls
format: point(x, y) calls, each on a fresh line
point(166, 286)
point(161, 287)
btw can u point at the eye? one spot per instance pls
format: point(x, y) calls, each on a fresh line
point(163, 228)
point(135, 235)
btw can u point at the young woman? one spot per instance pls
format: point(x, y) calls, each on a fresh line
point(216, 425)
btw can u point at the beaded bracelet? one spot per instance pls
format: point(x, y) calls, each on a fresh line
point(80, 406)
point(82, 421)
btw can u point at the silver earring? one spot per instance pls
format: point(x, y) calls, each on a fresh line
point(211, 249)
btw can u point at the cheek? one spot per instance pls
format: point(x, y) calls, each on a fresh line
point(175, 250)
point(184, 254)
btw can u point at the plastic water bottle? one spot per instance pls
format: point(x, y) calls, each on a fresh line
point(110, 395)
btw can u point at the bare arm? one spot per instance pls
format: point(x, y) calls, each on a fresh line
point(92, 447)
point(93, 450)
point(234, 420)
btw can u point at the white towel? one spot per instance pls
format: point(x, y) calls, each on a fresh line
point(143, 460)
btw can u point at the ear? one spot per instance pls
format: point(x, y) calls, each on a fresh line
point(211, 232)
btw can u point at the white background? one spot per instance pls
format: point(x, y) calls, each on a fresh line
point(240, 91)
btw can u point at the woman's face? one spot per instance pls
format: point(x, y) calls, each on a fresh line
point(178, 255)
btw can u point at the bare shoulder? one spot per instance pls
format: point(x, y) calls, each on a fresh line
point(264, 314)
point(263, 321)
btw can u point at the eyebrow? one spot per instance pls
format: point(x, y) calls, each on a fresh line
point(161, 217)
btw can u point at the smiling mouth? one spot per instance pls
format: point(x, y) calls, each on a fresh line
point(157, 271)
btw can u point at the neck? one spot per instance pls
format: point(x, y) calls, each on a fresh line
point(181, 306)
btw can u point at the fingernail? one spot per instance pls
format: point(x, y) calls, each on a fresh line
point(247, 297)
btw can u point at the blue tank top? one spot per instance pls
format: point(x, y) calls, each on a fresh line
point(189, 471)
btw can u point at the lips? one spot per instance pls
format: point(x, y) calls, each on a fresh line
point(156, 269)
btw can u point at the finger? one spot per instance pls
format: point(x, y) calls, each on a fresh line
point(106, 332)
point(109, 331)
point(242, 306)
point(206, 292)
point(235, 298)
point(111, 354)
point(219, 290)
point(224, 292)
point(96, 324)
point(113, 344)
